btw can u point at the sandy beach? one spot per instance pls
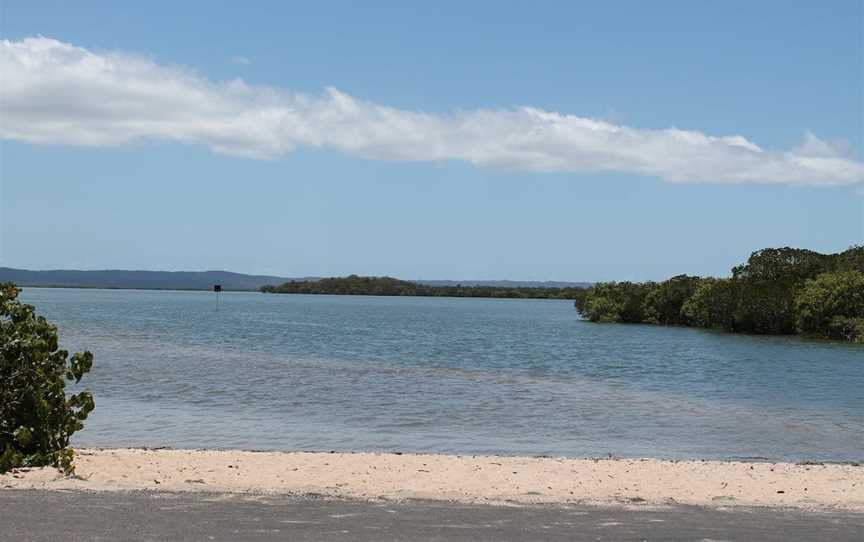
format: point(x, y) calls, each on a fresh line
point(465, 478)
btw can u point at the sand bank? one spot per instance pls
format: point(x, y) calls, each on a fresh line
point(464, 478)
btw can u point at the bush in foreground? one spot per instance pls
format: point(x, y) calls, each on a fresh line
point(37, 418)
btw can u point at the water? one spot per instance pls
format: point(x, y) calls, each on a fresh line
point(496, 376)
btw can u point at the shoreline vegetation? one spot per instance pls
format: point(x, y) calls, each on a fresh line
point(389, 286)
point(462, 478)
point(778, 291)
point(205, 280)
point(37, 415)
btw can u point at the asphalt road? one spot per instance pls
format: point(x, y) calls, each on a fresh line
point(144, 516)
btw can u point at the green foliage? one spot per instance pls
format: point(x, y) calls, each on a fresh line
point(37, 418)
point(777, 291)
point(767, 286)
point(782, 264)
point(663, 303)
point(765, 307)
point(850, 260)
point(845, 329)
point(615, 302)
point(712, 304)
point(832, 305)
point(355, 285)
point(599, 303)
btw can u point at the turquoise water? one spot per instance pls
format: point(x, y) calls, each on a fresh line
point(499, 376)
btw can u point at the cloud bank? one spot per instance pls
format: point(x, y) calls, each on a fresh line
point(56, 93)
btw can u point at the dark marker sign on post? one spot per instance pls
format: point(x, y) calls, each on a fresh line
point(217, 288)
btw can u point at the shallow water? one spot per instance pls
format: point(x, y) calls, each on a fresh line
point(502, 376)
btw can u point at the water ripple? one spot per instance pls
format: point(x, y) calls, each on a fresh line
point(448, 375)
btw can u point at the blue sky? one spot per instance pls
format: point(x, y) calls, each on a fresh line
point(165, 176)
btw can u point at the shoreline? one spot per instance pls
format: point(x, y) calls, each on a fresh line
point(459, 478)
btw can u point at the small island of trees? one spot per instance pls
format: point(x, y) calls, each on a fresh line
point(389, 286)
point(778, 291)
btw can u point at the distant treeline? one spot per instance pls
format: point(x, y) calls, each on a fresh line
point(778, 291)
point(148, 280)
point(355, 285)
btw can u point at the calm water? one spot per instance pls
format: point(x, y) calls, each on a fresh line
point(448, 375)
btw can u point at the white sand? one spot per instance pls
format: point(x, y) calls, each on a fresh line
point(464, 478)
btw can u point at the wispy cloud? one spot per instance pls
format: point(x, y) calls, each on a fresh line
point(55, 92)
point(240, 59)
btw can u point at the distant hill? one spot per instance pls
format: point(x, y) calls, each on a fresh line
point(148, 280)
point(204, 280)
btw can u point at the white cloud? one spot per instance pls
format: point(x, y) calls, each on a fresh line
point(240, 59)
point(54, 92)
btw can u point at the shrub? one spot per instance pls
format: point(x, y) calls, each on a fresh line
point(851, 259)
point(785, 264)
point(614, 301)
point(846, 329)
point(713, 304)
point(832, 306)
point(663, 304)
point(765, 306)
point(37, 418)
point(777, 291)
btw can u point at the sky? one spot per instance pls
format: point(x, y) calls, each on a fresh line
point(436, 140)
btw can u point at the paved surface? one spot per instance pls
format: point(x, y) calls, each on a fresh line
point(79, 516)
